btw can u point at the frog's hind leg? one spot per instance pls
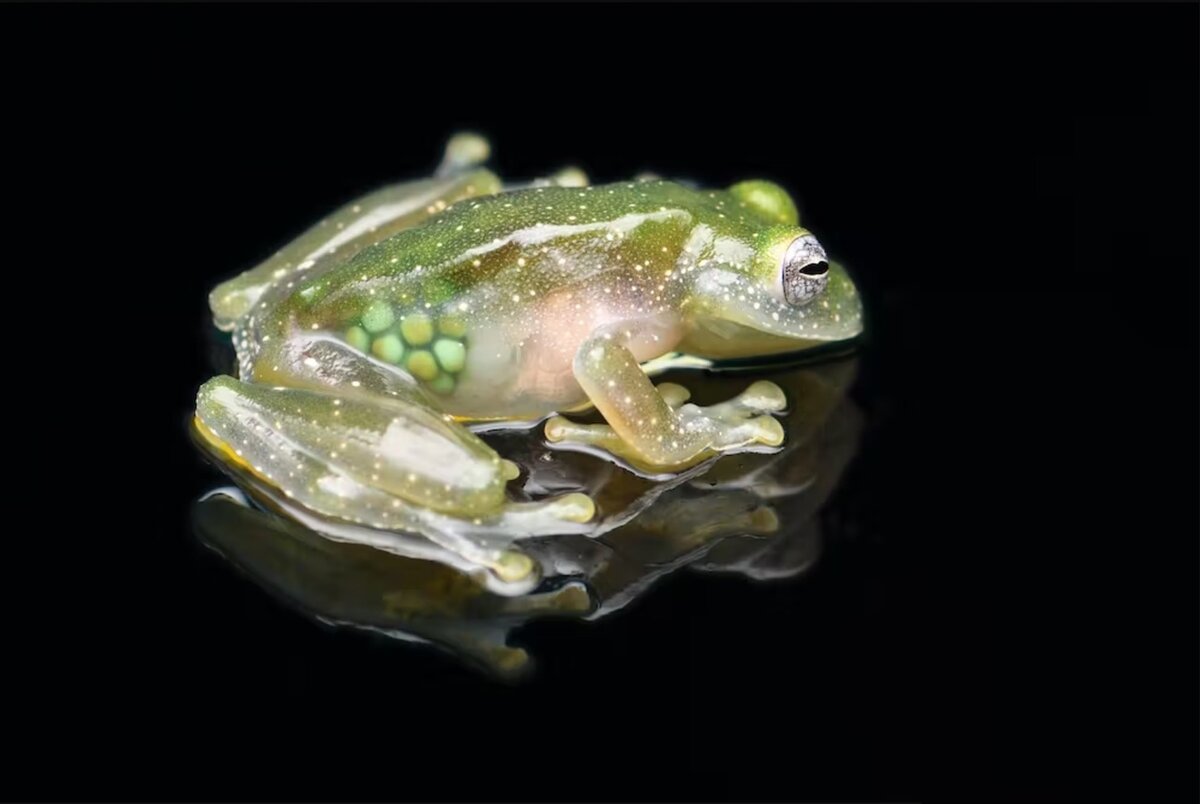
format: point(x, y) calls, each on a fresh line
point(385, 463)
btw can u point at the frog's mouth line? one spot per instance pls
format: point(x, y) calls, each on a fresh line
point(820, 353)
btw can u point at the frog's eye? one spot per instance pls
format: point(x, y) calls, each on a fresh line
point(805, 271)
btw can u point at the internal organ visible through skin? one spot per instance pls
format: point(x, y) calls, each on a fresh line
point(548, 354)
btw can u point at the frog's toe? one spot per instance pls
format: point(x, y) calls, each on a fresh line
point(513, 565)
point(745, 420)
point(569, 513)
point(572, 507)
point(509, 470)
point(762, 396)
point(465, 149)
point(673, 394)
point(560, 429)
point(570, 176)
point(731, 425)
point(767, 430)
point(763, 521)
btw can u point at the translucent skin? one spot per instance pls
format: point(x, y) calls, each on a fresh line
point(535, 273)
point(510, 305)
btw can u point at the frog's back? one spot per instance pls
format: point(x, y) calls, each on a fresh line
point(492, 295)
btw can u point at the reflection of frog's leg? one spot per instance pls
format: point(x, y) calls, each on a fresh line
point(648, 433)
point(412, 599)
point(360, 223)
point(386, 463)
point(679, 530)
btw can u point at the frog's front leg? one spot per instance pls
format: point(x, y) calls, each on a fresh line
point(661, 432)
point(385, 462)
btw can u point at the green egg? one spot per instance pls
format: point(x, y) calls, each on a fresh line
point(451, 354)
point(444, 384)
point(358, 338)
point(388, 347)
point(422, 365)
point(417, 329)
point(453, 326)
point(378, 317)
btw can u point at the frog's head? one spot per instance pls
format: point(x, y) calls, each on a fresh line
point(769, 288)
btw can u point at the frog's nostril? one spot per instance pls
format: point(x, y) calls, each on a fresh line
point(815, 269)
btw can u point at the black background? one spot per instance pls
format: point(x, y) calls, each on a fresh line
point(1010, 612)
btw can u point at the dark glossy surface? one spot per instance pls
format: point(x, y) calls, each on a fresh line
point(754, 515)
point(1005, 606)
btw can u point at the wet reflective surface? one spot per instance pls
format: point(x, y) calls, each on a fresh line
point(753, 515)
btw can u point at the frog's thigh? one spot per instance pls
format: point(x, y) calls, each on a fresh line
point(323, 450)
point(644, 426)
point(327, 364)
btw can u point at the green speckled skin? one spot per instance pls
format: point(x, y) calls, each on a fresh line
point(538, 271)
point(513, 304)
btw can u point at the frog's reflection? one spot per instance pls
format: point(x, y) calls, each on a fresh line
point(752, 514)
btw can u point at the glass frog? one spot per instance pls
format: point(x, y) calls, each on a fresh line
point(374, 346)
